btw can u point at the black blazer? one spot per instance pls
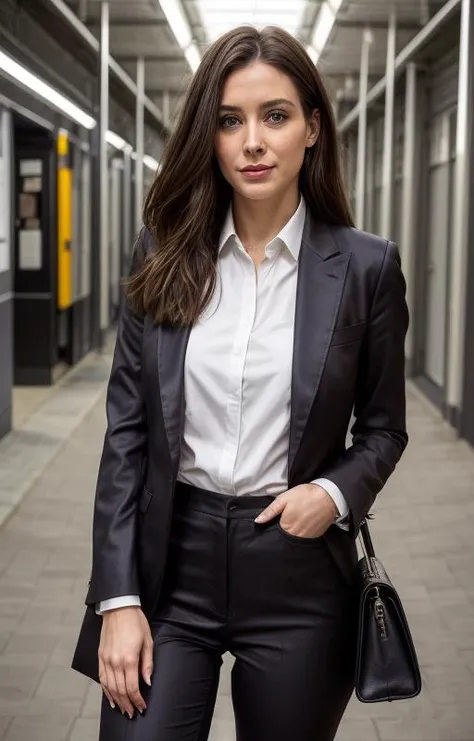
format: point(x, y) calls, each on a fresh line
point(350, 325)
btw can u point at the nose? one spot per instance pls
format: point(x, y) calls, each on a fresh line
point(254, 143)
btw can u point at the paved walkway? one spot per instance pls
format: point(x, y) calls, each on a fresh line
point(423, 531)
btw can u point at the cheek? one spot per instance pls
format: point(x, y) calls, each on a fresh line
point(290, 150)
point(224, 152)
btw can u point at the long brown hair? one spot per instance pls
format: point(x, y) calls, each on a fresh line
point(186, 206)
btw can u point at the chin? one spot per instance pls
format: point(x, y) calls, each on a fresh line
point(257, 191)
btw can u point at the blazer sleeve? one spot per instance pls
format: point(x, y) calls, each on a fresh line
point(379, 434)
point(121, 469)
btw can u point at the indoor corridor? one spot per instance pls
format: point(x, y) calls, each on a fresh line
point(422, 531)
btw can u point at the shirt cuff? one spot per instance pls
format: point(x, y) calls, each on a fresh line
point(128, 600)
point(339, 500)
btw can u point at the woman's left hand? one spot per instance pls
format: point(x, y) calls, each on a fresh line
point(307, 511)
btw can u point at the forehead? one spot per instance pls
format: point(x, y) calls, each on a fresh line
point(257, 82)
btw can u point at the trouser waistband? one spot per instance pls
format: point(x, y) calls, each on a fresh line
point(219, 505)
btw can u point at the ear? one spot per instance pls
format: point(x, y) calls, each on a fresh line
point(314, 126)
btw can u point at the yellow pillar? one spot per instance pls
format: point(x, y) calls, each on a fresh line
point(64, 221)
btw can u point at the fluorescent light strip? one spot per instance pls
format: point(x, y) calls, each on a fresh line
point(45, 91)
point(208, 6)
point(193, 57)
point(258, 13)
point(32, 82)
point(180, 27)
point(150, 162)
point(115, 140)
point(323, 27)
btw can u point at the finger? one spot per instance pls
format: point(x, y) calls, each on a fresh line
point(147, 660)
point(112, 686)
point(273, 509)
point(133, 691)
point(109, 697)
point(103, 682)
point(122, 691)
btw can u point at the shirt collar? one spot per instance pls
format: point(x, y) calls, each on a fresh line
point(291, 234)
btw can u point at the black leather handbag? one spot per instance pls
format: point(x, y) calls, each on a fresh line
point(387, 667)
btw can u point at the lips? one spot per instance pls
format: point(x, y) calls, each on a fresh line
point(256, 168)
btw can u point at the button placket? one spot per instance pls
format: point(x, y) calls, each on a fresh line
point(247, 310)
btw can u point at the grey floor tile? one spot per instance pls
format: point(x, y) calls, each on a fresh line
point(85, 729)
point(39, 729)
point(425, 541)
point(357, 730)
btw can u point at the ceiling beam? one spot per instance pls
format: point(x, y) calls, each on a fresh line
point(174, 90)
point(130, 23)
point(401, 25)
point(404, 56)
point(89, 39)
point(129, 58)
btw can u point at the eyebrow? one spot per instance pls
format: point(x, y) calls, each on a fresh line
point(268, 104)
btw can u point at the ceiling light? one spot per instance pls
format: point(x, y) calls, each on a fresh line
point(150, 162)
point(323, 27)
point(313, 54)
point(247, 5)
point(115, 140)
point(45, 91)
point(177, 20)
point(217, 19)
point(193, 57)
point(180, 27)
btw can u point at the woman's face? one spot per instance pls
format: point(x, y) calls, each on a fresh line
point(262, 125)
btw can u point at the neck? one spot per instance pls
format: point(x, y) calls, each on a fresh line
point(258, 222)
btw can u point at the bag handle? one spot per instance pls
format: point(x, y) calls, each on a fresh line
point(366, 539)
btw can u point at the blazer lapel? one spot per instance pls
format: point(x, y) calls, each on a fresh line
point(321, 274)
point(171, 349)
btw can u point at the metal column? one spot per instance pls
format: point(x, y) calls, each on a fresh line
point(127, 210)
point(139, 143)
point(166, 108)
point(411, 180)
point(459, 251)
point(99, 193)
point(387, 167)
point(362, 131)
point(369, 221)
point(104, 169)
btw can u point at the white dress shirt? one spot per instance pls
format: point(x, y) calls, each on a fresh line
point(237, 375)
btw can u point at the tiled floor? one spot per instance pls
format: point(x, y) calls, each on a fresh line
point(423, 531)
point(26, 400)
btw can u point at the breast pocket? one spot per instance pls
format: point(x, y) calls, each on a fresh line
point(348, 335)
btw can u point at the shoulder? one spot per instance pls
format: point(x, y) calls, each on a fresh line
point(369, 253)
point(369, 246)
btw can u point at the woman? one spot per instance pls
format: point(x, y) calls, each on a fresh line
point(227, 504)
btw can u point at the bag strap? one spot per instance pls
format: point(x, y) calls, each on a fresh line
point(366, 539)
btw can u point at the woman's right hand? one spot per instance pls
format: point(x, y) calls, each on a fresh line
point(126, 646)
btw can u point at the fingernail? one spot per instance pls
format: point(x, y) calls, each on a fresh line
point(148, 680)
point(260, 518)
point(130, 715)
point(112, 704)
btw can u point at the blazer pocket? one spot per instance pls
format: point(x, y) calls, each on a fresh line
point(346, 335)
point(144, 501)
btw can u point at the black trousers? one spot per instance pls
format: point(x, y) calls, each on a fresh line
point(278, 603)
